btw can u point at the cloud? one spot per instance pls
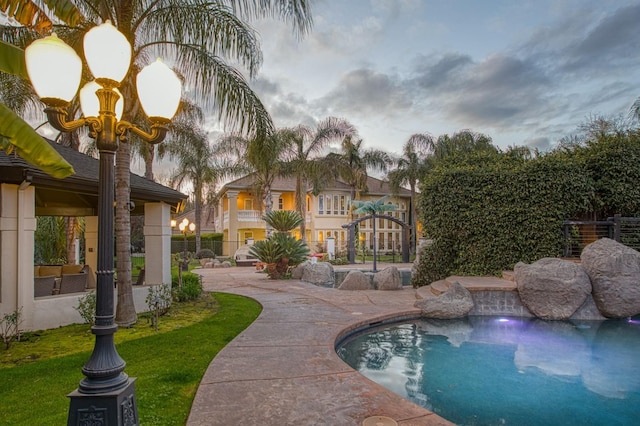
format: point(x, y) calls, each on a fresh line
point(367, 92)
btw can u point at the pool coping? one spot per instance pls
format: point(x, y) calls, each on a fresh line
point(284, 370)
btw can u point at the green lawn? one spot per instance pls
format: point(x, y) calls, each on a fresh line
point(37, 373)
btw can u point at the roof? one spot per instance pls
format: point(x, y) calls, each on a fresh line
point(77, 195)
point(374, 186)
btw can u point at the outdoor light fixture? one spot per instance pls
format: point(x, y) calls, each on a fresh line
point(185, 227)
point(106, 396)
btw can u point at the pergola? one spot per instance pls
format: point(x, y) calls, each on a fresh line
point(27, 192)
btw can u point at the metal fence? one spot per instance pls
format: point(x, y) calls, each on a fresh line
point(578, 234)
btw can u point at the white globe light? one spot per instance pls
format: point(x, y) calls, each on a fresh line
point(54, 68)
point(89, 103)
point(159, 90)
point(108, 52)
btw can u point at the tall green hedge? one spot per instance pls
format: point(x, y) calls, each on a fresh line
point(488, 212)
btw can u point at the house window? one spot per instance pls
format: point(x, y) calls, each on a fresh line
point(321, 204)
point(381, 241)
point(248, 204)
point(320, 236)
point(342, 205)
point(404, 217)
point(280, 204)
point(335, 204)
point(328, 206)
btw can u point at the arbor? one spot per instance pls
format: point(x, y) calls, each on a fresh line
point(409, 168)
point(199, 37)
point(374, 208)
point(307, 144)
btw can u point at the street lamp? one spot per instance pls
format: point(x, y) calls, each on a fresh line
point(106, 395)
point(186, 227)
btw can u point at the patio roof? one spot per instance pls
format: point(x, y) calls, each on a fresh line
point(77, 195)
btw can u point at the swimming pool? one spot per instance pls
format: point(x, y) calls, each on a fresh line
point(507, 371)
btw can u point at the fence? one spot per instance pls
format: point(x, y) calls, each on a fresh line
point(577, 234)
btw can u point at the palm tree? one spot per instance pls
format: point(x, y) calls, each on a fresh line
point(190, 147)
point(374, 208)
point(352, 163)
point(176, 30)
point(409, 169)
point(263, 156)
point(308, 143)
point(463, 142)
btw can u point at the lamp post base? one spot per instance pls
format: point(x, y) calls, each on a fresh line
point(117, 408)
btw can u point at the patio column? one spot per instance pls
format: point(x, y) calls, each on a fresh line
point(157, 243)
point(91, 242)
point(232, 243)
point(17, 227)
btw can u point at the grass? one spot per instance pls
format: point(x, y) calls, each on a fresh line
point(46, 366)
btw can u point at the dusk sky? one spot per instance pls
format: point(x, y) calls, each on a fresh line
point(522, 72)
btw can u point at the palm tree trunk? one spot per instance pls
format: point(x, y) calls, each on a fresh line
point(70, 230)
point(414, 221)
point(198, 212)
point(125, 311)
point(149, 154)
point(301, 207)
point(268, 206)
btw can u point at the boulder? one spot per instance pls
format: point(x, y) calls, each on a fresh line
point(614, 270)
point(320, 274)
point(355, 280)
point(387, 279)
point(456, 302)
point(296, 272)
point(552, 288)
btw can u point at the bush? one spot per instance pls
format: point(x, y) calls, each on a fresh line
point(87, 307)
point(158, 301)
point(485, 216)
point(205, 254)
point(10, 327)
point(191, 288)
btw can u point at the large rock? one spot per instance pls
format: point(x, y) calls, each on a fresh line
point(355, 280)
point(387, 279)
point(614, 270)
point(456, 302)
point(296, 272)
point(552, 288)
point(320, 274)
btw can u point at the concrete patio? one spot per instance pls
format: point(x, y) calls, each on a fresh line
point(283, 369)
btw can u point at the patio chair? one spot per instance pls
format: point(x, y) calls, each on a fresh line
point(43, 286)
point(73, 283)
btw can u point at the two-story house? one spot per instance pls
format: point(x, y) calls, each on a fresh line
point(241, 211)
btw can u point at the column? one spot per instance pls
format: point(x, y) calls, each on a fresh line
point(157, 243)
point(231, 245)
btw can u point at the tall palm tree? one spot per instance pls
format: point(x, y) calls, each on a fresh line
point(409, 169)
point(352, 163)
point(175, 29)
point(263, 156)
point(308, 143)
point(195, 163)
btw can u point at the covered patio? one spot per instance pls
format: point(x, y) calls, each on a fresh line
point(26, 192)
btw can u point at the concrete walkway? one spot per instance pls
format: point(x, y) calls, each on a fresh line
point(283, 369)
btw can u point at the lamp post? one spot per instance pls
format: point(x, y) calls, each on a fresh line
point(106, 395)
point(186, 227)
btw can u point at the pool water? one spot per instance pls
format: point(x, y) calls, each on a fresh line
point(507, 371)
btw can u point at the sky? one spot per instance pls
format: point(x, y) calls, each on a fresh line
point(522, 72)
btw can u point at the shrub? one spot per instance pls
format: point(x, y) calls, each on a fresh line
point(10, 327)
point(205, 254)
point(191, 288)
point(87, 307)
point(279, 252)
point(158, 301)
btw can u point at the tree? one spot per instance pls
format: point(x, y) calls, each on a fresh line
point(352, 162)
point(262, 156)
point(408, 170)
point(448, 148)
point(374, 208)
point(175, 29)
point(195, 163)
point(307, 144)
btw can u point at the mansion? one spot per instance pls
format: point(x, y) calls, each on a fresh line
point(241, 210)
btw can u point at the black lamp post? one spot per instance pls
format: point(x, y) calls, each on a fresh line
point(186, 227)
point(106, 396)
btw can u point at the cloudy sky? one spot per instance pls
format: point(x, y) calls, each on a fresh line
point(523, 72)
